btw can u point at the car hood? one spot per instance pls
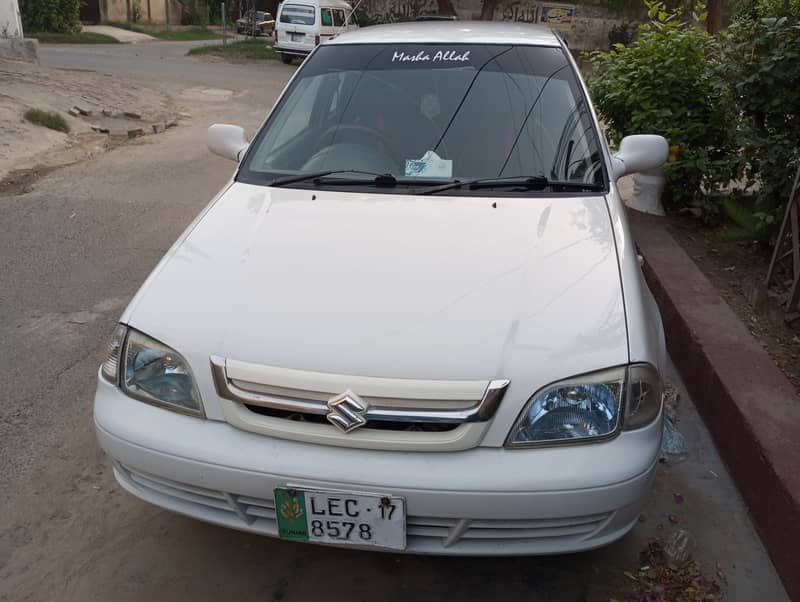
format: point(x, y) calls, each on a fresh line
point(392, 285)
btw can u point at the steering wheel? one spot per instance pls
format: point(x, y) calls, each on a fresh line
point(363, 130)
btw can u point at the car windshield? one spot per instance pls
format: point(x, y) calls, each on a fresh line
point(432, 112)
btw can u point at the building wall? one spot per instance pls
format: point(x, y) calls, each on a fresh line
point(114, 11)
point(10, 21)
point(584, 27)
point(153, 11)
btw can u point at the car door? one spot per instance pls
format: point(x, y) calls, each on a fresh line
point(327, 23)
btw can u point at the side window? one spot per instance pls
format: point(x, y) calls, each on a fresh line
point(338, 17)
point(327, 18)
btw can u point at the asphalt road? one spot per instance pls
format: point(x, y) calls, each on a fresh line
point(74, 250)
point(166, 64)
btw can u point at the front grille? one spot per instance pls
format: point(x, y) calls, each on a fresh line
point(352, 401)
point(423, 427)
point(430, 534)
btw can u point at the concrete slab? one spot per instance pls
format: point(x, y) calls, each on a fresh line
point(123, 35)
point(712, 511)
point(750, 407)
point(19, 49)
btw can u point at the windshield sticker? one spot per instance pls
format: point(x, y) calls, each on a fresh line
point(430, 165)
point(440, 56)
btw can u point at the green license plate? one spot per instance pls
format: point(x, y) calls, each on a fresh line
point(341, 518)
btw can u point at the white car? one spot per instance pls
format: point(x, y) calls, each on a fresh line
point(413, 320)
point(303, 24)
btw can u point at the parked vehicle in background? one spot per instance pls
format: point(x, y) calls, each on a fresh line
point(256, 23)
point(413, 320)
point(302, 25)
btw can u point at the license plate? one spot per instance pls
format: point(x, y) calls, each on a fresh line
point(341, 518)
point(296, 37)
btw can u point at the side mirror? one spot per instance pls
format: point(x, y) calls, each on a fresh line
point(639, 153)
point(227, 141)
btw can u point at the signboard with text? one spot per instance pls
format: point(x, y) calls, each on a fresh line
point(557, 16)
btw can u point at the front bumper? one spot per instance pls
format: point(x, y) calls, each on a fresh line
point(293, 51)
point(482, 501)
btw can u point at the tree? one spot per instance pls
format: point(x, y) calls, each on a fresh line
point(446, 7)
point(60, 16)
point(488, 8)
point(714, 18)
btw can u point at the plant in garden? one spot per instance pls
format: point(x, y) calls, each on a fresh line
point(622, 33)
point(195, 12)
point(59, 16)
point(778, 8)
point(761, 64)
point(665, 84)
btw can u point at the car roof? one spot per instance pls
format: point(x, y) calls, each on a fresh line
point(451, 32)
point(316, 3)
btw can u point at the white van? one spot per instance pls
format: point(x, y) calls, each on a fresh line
point(303, 24)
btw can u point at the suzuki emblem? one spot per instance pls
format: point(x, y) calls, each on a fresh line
point(346, 411)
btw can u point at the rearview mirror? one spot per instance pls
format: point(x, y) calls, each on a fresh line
point(227, 141)
point(639, 153)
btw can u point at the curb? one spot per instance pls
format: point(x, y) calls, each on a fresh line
point(748, 405)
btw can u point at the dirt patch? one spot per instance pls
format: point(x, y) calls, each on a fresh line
point(78, 148)
point(84, 99)
point(21, 181)
point(738, 271)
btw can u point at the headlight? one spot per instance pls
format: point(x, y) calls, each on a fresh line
point(157, 374)
point(110, 369)
point(588, 407)
point(645, 393)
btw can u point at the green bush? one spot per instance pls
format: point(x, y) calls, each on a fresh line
point(760, 9)
point(58, 16)
point(195, 12)
point(665, 84)
point(48, 119)
point(761, 65)
point(624, 33)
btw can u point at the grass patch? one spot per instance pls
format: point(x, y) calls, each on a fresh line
point(81, 37)
point(247, 49)
point(171, 35)
point(186, 35)
point(47, 119)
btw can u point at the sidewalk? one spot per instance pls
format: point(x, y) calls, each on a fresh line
point(123, 35)
point(748, 405)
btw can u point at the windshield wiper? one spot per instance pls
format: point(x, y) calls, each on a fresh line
point(525, 182)
point(378, 179)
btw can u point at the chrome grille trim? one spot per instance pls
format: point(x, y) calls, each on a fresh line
point(481, 411)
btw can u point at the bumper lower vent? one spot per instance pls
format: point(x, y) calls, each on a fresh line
point(423, 534)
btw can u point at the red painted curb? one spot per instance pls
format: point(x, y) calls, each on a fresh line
point(748, 405)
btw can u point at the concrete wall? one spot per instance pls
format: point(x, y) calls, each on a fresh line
point(152, 11)
point(584, 27)
point(10, 21)
point(115, 11)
